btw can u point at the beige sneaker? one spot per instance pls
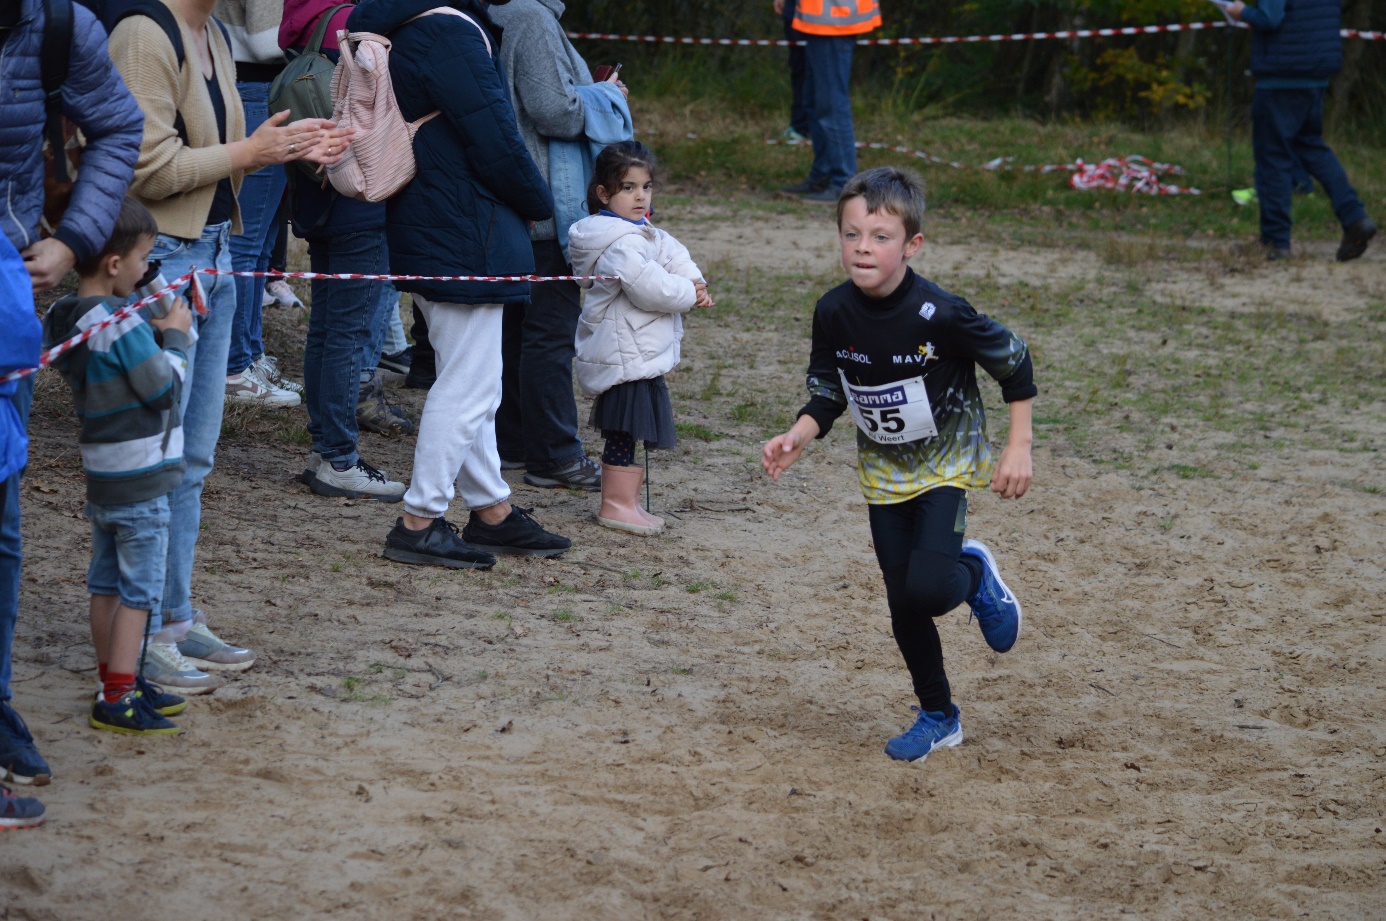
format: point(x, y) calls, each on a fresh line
point(165, 665)
point(279, 292)
point(269, 372)
point(250, 387)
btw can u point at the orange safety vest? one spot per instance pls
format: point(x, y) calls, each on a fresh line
point(836, 17)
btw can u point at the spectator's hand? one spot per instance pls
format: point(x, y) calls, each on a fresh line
point(779, 7)
point(179, 317)
point(1235, 10)
point(272, 143)
point(332, 143)
point(48, 261)
point(704, 299)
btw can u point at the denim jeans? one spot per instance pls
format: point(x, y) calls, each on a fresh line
point(204, 396)
point(1286, 129)
point(828, 97)
point(373, 347)
point(10, 546)
point(345, 319)
point(129, 550)
point(799, 113)
point(393, 329)
point(537, 419)
point(261, 192)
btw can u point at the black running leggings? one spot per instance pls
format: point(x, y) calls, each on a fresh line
point(917, 545)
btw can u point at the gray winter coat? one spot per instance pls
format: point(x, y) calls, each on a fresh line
point(541, 70)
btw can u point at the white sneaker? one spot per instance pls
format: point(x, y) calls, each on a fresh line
point(267, 299)
point(310, 471)
point(269, 371)
point(165, 665)
point(360, 481)
point(250, 387)
point(279, 292)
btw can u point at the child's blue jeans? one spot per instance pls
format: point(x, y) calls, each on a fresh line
point(129, 551)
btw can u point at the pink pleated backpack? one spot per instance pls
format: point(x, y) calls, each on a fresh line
point(380, 159)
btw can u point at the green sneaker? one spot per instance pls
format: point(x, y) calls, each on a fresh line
point(1244, 197)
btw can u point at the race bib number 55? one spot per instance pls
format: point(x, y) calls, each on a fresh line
point(891, 414)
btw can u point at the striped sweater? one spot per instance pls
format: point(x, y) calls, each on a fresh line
point(126, 389)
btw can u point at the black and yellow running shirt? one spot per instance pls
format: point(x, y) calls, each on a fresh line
point(906, 363)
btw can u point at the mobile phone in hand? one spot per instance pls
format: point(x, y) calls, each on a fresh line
point(606, 72)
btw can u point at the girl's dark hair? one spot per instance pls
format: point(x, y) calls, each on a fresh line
point(132, 224)
point(613, 163)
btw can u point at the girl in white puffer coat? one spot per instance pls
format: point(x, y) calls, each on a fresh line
point(629, 333)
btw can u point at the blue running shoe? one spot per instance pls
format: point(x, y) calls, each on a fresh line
point(19, 811)
point(996, 610)
point(932, 729)
point(20, 761)
point(161, 701)
point(131, 715)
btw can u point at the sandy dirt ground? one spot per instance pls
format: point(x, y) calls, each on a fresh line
point(690, 727)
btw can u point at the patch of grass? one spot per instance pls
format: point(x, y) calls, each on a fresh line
point(1372, 488)
point(697, 586)
point(693, 430)
point(505, 616)
point(1190, 471)
point(558, 588)
point(566, 616)
point(725, 595)
point(680, 670)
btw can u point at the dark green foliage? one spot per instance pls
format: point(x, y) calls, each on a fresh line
point(1148, 79)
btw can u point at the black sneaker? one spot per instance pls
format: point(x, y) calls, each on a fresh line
point(398, 362)
point(1355, 239)
point(519, 534)
point(436, 545)
point(583, 473)
point(804, 188)
point(830, 193)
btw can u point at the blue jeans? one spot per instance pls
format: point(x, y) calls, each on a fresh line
point(261, 192)
point(129, 550)
point(204, 396)
point(799, 113)
point(537, 419)
point(1286, 129)
point(828, 97)
point(392, 330)
point(10, 546)
point(345, 324)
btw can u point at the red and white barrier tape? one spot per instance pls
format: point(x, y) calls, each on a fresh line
point(948, 39)
point(1128, 174)
point(199, 303)
point(354, 275)
point(51, 355)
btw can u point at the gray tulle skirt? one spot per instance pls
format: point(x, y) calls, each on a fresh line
point(641, 408)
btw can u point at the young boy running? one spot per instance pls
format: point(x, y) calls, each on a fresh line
point(126, 380)
point(900, 354)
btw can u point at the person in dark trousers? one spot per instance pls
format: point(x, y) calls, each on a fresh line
point(536, 427)
point(799, 114)
point(1296, 49)
point(901, 355)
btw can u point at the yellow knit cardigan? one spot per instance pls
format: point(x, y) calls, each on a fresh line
point(175, 181)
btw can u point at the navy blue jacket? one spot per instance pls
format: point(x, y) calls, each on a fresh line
point(95, 98)
point(1295, 39)
point(465, 212)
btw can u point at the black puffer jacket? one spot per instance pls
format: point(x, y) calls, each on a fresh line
point(466, 211)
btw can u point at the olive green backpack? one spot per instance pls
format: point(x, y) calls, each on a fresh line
point(304, 87)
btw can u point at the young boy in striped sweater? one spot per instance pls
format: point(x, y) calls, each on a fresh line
point(126, 382)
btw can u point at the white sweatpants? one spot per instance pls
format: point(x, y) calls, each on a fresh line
point(457, 434)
